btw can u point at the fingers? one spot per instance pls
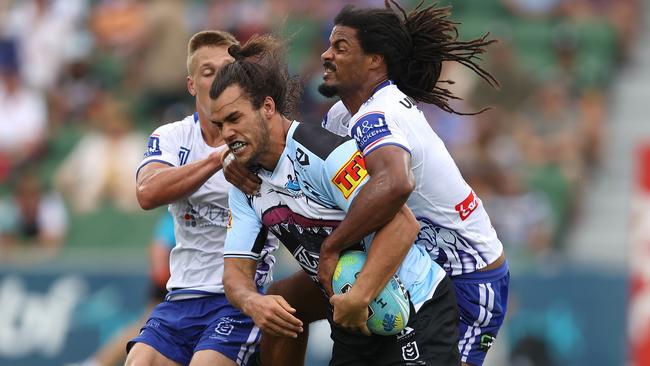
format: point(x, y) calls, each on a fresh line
point(240, 176)
point(276, 318)
point(325, 277)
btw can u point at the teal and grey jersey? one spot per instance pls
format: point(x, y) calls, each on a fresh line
point(305, 197)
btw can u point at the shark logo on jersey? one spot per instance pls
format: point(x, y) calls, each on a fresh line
point(292, 186)
point(370, 129)
point(153, 146)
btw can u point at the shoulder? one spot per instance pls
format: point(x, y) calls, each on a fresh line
point(389, 101)
point(317, 140)
point(337, 115)
point(178, 128)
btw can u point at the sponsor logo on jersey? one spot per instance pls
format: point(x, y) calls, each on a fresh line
point(405, 333)
point(351, 174)
point(229, 225)
point(468, 206)
point(407, 102)
point(153, 146)
point(410, 351)
point(369, 129)
point(486, 342)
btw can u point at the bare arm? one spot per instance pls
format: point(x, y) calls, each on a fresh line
point(389, 186)
point(269, 312)
point(159, 184)
point(389, 247)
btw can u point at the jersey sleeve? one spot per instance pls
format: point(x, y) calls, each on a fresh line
point(246, 236)
point(374, 129)
point(336, 120)
point(162, 147)
point(344, 174)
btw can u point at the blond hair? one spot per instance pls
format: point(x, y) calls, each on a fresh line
point(212, 38)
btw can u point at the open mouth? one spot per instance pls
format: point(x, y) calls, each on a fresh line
point(329, 69)
point(237, 146)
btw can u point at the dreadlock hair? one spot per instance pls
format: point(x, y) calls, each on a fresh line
point(414, 46)
point(260, 70)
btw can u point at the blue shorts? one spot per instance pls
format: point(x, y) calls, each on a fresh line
point(177, 329)
point(482, 302)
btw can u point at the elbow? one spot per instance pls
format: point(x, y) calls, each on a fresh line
point(145, 198)
point(401, 188)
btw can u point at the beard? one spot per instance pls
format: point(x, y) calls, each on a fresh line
point(262, 138)
point(328, 91)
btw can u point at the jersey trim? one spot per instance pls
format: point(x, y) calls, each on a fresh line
point(376, 146)
point(151, 161)
point(318, 140)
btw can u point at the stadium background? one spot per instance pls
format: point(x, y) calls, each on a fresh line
point(561, 161)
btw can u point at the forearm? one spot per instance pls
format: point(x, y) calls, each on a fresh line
point(376, 204)
point(239, 286)
point(389, 248)
point(165, 185)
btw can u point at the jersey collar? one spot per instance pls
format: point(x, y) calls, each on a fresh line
point(196, 117)
point(382, 85)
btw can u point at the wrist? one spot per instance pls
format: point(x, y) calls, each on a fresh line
point(359, 294)
point(248, 302)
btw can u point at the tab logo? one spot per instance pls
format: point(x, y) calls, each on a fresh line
point(468, 206)
point(351, 174)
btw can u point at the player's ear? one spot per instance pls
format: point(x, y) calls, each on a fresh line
point(376, 61)
point(190, 86)
point(268, 108)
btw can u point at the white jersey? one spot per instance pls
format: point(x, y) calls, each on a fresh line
point(200, 220)
point(455, 228)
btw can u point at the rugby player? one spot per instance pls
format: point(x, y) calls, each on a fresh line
point(380, 63)
point(310, 178)
point(181, 168)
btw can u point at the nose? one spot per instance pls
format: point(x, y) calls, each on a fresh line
point(227, 132)
point(327, 55)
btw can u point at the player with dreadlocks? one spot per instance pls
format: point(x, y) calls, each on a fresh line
point(381, 63)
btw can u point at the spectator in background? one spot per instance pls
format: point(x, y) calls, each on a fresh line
point(161, 47)
point(44, 30)
point(23, 124)
point(102, 164)
point(32, 219)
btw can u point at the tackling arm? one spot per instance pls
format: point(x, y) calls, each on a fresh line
point(159, 184)
point(389, 247)
point(389, 186)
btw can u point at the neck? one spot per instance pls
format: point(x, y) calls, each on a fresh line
point(210, 133)
point(278, 129)
point(358, 96)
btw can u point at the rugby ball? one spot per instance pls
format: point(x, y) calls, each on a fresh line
point(388, 313)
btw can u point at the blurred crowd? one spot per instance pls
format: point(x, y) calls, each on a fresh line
point(83, 81)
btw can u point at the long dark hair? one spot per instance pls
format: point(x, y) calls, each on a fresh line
point(260, 70)
point(414, 46)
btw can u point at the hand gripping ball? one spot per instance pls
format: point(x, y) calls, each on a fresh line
point(389, 311)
